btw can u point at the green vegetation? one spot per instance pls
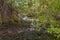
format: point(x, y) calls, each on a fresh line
point(45, 13)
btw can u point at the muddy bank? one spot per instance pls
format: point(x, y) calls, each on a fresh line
point(18, 33)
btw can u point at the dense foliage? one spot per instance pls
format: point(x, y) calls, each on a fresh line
point(42, 13)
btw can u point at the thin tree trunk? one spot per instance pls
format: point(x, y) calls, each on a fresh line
point(4, 12)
